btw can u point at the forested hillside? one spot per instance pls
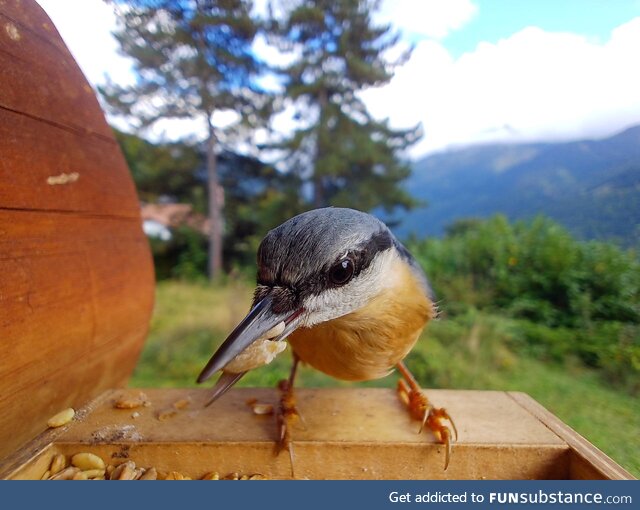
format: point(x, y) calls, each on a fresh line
point(592, 187)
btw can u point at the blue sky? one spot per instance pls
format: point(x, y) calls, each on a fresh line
point(498, 19)
point(481, 71)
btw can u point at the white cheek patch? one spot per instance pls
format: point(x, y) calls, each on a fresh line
point(339, 301)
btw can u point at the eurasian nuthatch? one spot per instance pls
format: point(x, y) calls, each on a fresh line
point(348, 296)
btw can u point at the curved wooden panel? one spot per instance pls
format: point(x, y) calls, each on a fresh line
point(76, 275)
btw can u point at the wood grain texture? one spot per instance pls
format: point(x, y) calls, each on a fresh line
point(349, 434)
point(76, 276)
point(35, 158)
point(587, 461)
point(39, 77)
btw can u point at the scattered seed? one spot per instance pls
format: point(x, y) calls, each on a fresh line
point(165, 414)
point(174, 475)
point(183, 403)
point(58, 463)
point(135, 414)
point(62, 418)
point(128, 473)
point(258, 407)
point(94, 473)
point(128, 402)
point(65, 474)
point(149, 474)
point(88, 466)
point(115, 473)
point(261, 409)
point(87, 461)
point(125, 471)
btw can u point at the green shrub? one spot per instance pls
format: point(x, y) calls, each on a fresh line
point(183, 257)
point(570, 300)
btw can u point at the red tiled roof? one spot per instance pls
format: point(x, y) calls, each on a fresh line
point(175, 215)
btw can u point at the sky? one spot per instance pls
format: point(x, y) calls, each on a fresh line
point(481, 71)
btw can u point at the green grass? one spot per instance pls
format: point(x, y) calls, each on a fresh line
point(470, 351)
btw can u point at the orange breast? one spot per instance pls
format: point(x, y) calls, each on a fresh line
point(367, 343)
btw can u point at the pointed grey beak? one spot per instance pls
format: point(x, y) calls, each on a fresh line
point(259, 321)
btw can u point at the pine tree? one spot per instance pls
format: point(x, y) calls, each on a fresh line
point(350, 158)
point(192, 59)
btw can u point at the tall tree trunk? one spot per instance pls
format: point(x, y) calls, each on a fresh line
point(215, 208)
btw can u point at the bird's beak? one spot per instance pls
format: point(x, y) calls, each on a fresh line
point(255, 325)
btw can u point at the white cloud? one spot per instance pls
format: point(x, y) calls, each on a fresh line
point(85, 27)
point(428, 18)
point(530, 86)
point(270, 54)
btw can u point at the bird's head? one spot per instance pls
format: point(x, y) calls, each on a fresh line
point(315, 267)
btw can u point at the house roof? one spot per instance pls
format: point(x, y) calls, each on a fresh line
point(175, 215)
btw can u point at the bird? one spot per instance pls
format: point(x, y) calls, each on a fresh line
point(349, 299)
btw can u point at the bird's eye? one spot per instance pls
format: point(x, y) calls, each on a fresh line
point(341, 272)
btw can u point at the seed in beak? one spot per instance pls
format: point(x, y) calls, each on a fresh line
point(259, 353)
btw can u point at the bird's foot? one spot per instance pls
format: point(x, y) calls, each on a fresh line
point(287, 415)
point(419, 407)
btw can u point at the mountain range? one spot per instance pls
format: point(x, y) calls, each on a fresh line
point(592, 187)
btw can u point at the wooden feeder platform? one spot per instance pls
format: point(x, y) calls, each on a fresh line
point(347, 434)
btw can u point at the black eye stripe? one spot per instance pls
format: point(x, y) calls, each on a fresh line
point(272, 274)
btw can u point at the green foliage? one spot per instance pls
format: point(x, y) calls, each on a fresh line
point(571, 299)
point(192, 59)
point(191, 263)
point(535, 270)
point(172, 170)
point(338, 52)
point(257, 199)
point(189, 320)
point(183, 257)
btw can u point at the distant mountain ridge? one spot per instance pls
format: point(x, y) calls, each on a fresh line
point(590, 186)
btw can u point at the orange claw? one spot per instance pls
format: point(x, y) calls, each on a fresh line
point(287, 415)
point(437, 419)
